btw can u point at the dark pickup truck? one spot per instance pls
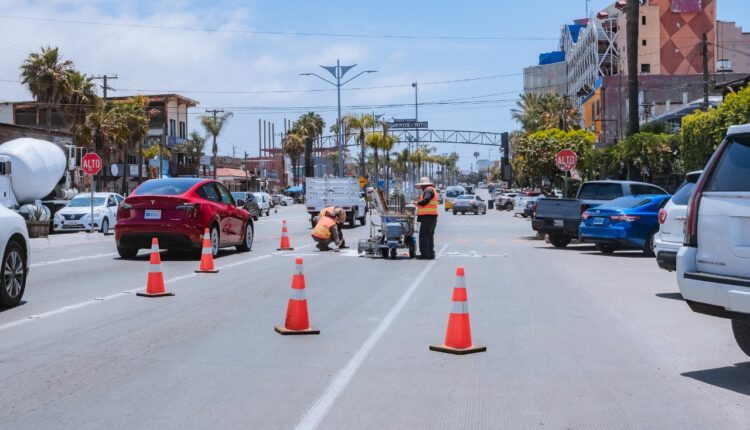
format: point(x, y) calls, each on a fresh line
point(560, 218)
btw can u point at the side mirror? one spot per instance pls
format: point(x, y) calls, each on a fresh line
point(240, 203)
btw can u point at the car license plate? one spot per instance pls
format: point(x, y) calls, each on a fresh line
point(559, 223)
point(152, 214)
point(70, 222)
point(598, 221)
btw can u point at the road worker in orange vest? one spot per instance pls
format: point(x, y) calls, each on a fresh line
point(326, 232)
point(427, 213)
point(340, 215)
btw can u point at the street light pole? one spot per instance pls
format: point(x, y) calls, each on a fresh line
point(416, 119)
point(338, 71)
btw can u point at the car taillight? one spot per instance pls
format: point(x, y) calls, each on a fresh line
point(190, 208)
point(586, 215)
point(125, 206)
point(662, 216)
point(624, 218)
point(473, 203)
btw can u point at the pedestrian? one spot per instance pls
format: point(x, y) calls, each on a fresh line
point(340, 215)
point(326, 232)
point(427, 213)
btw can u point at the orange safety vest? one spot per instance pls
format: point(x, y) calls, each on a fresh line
point(431, 208)
point(322, 229)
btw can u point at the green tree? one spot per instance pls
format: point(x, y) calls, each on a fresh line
point(78, 98)
point(536, 112)
point(214, 126)
point(645, 152)
point(534, 156)
point(132, 124)
point(293, 145)
point(361, 123)
point(45, 75)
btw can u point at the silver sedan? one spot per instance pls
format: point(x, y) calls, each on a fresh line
point(469, 203)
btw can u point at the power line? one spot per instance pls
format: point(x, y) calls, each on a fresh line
point(276, 33)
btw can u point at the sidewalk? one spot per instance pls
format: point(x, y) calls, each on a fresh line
point(68, 239)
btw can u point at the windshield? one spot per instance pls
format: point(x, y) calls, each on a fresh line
point(600, 191)
point(682, 195)
point(733, 170)
point(80, 202)
point(165, 187)
point(452, 193)
point(465, 197)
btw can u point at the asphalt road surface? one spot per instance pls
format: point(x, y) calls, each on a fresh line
point(575, 339)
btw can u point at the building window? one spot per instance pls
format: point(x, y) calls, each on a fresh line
point(183, 130)
point(645, 68)
point(643, 42)
point(172, 126)
point(643, 19)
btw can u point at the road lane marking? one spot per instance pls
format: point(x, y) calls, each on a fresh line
point(110, 297)
point(319, 410)
point(68, 260)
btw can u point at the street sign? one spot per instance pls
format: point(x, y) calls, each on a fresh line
point(91, 163)
point(362, 181)
point(566, 160)
point(407, 124)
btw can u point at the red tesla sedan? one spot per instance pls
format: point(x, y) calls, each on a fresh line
point(176, 211)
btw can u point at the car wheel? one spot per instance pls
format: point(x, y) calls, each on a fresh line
point(247, 243)
point(509, 206)
point(648, 247)
point(394, 254)
point(454, 212)
point(384, 252)
point(351, 220)
point(363, 220)
point(559, 240)
point(214, 241)
point(13, 275)
point(605, 248)
point(476, 211)
point(268, 212)
point(127, 253)
point(741, 330)
point(105, 226)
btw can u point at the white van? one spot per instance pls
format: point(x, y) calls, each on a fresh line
point(713, 265)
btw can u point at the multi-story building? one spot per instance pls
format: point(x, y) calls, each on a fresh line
point(732, 48)
point(669, 36)
point(549, 76)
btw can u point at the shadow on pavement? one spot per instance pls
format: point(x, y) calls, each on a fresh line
point(176, 256)
point(621, 254)
point(673, 296)
point(734, 378)
point(569, 248)
point(21, 303)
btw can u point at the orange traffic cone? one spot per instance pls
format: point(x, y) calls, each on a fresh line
point(155, 284)
point(207, 255)
point(297, 318)
point(284, 245)
point(458, 335)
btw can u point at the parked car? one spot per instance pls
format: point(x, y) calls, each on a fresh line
point(519, 202)
point(505, 201)
point(713, 265)
point(469, 203)
point(672, 222)
point(275, 199)
point(14, 249)
point(247, 201)
point(561, 218)
point(530, 210)
point(263, 200)
point(177, 211)
point(450, 195)
point(627, 222)
point(283, 200)
point(76, 215)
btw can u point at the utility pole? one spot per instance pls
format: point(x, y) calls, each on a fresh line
point(245, 168)
point(416, 132)
point(105, 86)
point(632, 21)
point(704, 53)
point(215, 148)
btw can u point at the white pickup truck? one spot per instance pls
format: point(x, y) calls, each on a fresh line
point(342, 192)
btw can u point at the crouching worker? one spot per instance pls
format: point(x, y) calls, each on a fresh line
point(326, 232)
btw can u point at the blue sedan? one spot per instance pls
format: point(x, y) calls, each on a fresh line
point(627, 222)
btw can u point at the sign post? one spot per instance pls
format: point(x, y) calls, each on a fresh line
point(566, 161)
point(91, 163)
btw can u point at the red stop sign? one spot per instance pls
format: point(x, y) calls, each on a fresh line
point(566, 160)
point(91, 163)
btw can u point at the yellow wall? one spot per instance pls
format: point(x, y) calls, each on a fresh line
point(592, 112)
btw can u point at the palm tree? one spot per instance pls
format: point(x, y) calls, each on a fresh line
point(293, 145)
point(196, 143)
point(528, 111)
point(78, 99)
point(361, 123)
point(214, 125)
point(311, 126)
point(133, 121)
point(44, 74)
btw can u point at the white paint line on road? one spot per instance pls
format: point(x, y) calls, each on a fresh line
point(114, 296)
point(68, 260)
point(320, 409)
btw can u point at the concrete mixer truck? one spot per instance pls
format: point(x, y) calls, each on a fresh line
point(34, 171)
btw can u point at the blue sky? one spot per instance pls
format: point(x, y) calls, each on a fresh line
point(208, 66)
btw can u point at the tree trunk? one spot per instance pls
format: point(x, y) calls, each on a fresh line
point(376, 176)
point(49, 122)
point(125, 173)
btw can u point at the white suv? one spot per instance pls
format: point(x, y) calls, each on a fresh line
point(713, 266)
point(14, 251)
point(671, 235)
